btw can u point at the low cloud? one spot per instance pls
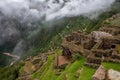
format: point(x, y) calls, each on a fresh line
point(34, 10)
point(19, 18)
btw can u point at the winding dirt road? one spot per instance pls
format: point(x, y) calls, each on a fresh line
point(13, 56)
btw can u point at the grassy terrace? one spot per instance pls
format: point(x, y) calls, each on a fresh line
point(71, 70)
point(49, 73)
point(111, 65)
point(45, 40)
point(45, 70)
point(87, 73)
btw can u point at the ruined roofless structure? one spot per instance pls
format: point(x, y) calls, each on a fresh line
point(98, 46)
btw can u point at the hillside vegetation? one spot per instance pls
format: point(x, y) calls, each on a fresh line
point(53, 41)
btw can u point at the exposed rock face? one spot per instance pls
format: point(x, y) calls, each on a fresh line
point(100, 74)
point(99, 34)
point(113, 75)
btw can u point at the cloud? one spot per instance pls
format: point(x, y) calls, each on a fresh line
point(34, 10)
point(19, 18)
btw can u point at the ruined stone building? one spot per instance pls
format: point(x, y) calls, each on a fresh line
point(106, 47)
point(98, 46)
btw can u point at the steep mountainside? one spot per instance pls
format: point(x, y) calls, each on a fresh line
point(42, 66)
point(43, 55)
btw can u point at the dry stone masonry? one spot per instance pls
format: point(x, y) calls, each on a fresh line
point(98, 46)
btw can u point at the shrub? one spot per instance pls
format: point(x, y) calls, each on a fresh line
point(76, 56)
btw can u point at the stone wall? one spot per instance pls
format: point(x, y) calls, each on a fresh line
point(114, 30)
point(104, 49)
point(66, 52)
point(102, 53)
point(109, 42)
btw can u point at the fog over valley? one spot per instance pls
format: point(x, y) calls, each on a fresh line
point(20, 18)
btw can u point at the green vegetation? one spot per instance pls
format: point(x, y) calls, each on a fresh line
point(87, 73)
point(76, 56)
point(21, 71)
point(62, 76)
point(50, 74)
point(71, 70)
point(59, 51)
point(10, 73)
point(111, 65)
point(74, 68)
point(51, 38)
point(115, 22)
point(47, 69)
point(49, 62)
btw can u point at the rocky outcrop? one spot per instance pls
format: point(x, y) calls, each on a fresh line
point(113, 75)
point(100, 74)
point(99, 34)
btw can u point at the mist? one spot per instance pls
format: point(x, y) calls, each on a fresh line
point(20, 18)
point(34, 10)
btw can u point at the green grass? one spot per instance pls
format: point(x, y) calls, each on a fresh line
point(71, 69)
point(87, 73)
point(59, 52)
point(50, 74)
point(111, 65)
point(38, 75)
point(115, 22)
point(62, 76)
point(49, 62)
point(21, 71)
